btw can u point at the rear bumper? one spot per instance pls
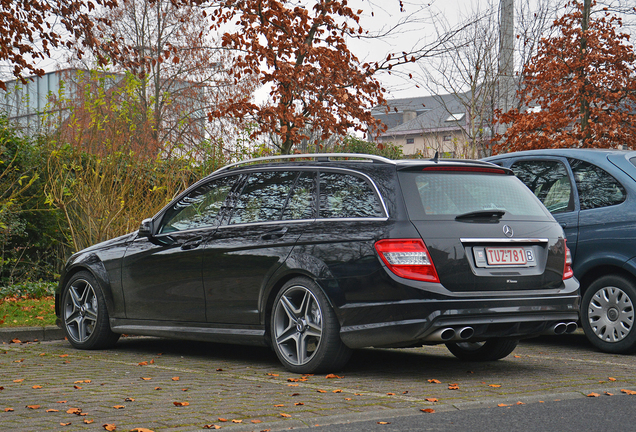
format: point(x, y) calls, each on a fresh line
point(416, 322)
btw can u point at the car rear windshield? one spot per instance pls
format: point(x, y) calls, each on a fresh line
point(445, 195)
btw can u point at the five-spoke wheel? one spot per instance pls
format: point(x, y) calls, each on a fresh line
point(304, 329)
point(608, 314)
point(84, 314)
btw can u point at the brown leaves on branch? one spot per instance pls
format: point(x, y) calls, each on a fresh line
point(301, 53)
point(581, 85)
point(28, 35)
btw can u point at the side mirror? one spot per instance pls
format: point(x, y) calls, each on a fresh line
point(146, 228)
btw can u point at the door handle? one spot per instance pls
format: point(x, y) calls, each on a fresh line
point(274, 234)
point(192, 243)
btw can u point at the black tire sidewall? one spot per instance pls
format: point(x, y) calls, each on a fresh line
point(330, 342)
point(102, 336)
point(628, 344)
point(491, 350)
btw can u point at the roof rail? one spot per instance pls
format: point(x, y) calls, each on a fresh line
point(320, 157)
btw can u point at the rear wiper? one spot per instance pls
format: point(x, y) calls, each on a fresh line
point(482, 214)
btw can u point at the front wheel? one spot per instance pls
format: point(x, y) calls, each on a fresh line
point(304, 329)
point(607, 314)
point(84, 314)
point(492, 349)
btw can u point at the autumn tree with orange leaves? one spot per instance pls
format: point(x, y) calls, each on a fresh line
point(301, 54)
point(30, 29)
point(580, 88)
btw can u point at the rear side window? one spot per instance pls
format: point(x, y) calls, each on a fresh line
point(596, 187)
point(446, 195)
point(263, 197)
point(347, 196)
point(549, 181)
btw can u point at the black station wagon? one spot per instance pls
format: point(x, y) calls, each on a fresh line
point(315, 255)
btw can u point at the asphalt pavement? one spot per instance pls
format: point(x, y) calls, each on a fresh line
point(167, 385)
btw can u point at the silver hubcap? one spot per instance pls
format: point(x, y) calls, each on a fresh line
point(297, 325)
point(80, 310)
point(611, 314)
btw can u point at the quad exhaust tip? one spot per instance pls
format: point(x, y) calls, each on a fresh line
point(448, 334)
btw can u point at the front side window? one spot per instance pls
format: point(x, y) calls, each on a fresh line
point(597, 188)
point(200, 208)
point(264, 197)
point(549, 181)
point(347, 196)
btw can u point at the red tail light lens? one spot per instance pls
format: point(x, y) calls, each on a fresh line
point(407, 258)
point(567, 269)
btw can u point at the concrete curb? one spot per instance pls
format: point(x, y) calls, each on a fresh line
point(30, 334)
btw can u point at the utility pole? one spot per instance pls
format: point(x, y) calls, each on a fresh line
point(506, 55)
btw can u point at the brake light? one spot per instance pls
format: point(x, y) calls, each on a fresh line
point(489, 170)
point(567, 267)
point(407, 258)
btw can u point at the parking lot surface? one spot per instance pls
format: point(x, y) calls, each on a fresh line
point(166, 385)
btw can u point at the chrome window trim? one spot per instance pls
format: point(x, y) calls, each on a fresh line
point(504, 240)
point(275, 222)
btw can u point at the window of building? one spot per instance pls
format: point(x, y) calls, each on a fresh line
point(410, 140)
point(448, 137)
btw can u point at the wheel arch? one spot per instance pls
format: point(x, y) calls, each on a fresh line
point(277, 282)
point(604, 270)
point(93, 265)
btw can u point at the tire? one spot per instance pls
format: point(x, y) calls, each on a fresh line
point(304, 330)
point(490, 350)
point(607, 314)
point(84, 314)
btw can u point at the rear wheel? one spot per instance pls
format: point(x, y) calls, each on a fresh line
point(305, 331)
point(84, 314)
point(607, 314)
point(492, 349)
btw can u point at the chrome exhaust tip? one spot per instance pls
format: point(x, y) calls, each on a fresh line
point(559, 328)
point(466, 333)
point(571, 327)
point(441, 335)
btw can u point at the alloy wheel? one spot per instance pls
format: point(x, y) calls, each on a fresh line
point(80, 310)
point(298, 325)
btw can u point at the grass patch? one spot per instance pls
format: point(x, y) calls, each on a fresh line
point(27, 304)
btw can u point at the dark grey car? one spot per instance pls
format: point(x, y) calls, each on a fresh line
point(592, 194)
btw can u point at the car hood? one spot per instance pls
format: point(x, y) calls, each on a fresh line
point(117, 241)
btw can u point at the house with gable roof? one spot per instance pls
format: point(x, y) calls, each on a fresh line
point(426, 125)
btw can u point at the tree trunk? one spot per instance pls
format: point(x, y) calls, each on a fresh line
point(585, 104)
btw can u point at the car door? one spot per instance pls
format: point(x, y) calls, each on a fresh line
point(550, 178)
point(161, 274)
point(605, 222)
point(273, 209)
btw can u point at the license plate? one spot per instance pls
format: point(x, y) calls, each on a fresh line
point(506, 256)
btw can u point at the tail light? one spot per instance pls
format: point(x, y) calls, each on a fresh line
point(567, 267)
point(407, 258)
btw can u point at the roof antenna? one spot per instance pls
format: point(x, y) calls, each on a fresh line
point(436, 157)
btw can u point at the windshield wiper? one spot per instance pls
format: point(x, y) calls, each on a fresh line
point(482, 214)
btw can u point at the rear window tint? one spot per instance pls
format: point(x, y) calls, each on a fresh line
point(347, 196)
point(446, 195)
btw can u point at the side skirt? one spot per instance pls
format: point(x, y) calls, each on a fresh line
point(241, 335)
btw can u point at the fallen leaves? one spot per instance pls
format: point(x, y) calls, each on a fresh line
point(434, 381)
point(285, 415)
point(454, 386)
point(181, 404)
point(494, 385)
point(593, 395)
point(33, 407)
point(431, 399)
point(119, 407)
point(384, 423)
point(332, 376)
point(146, 379)
point(211, 426)
point(109, 427)
point(36, 387)
point(611, 379)
point(629, 392)
point(428, 410)
point(141, 430)
point(175, 378)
